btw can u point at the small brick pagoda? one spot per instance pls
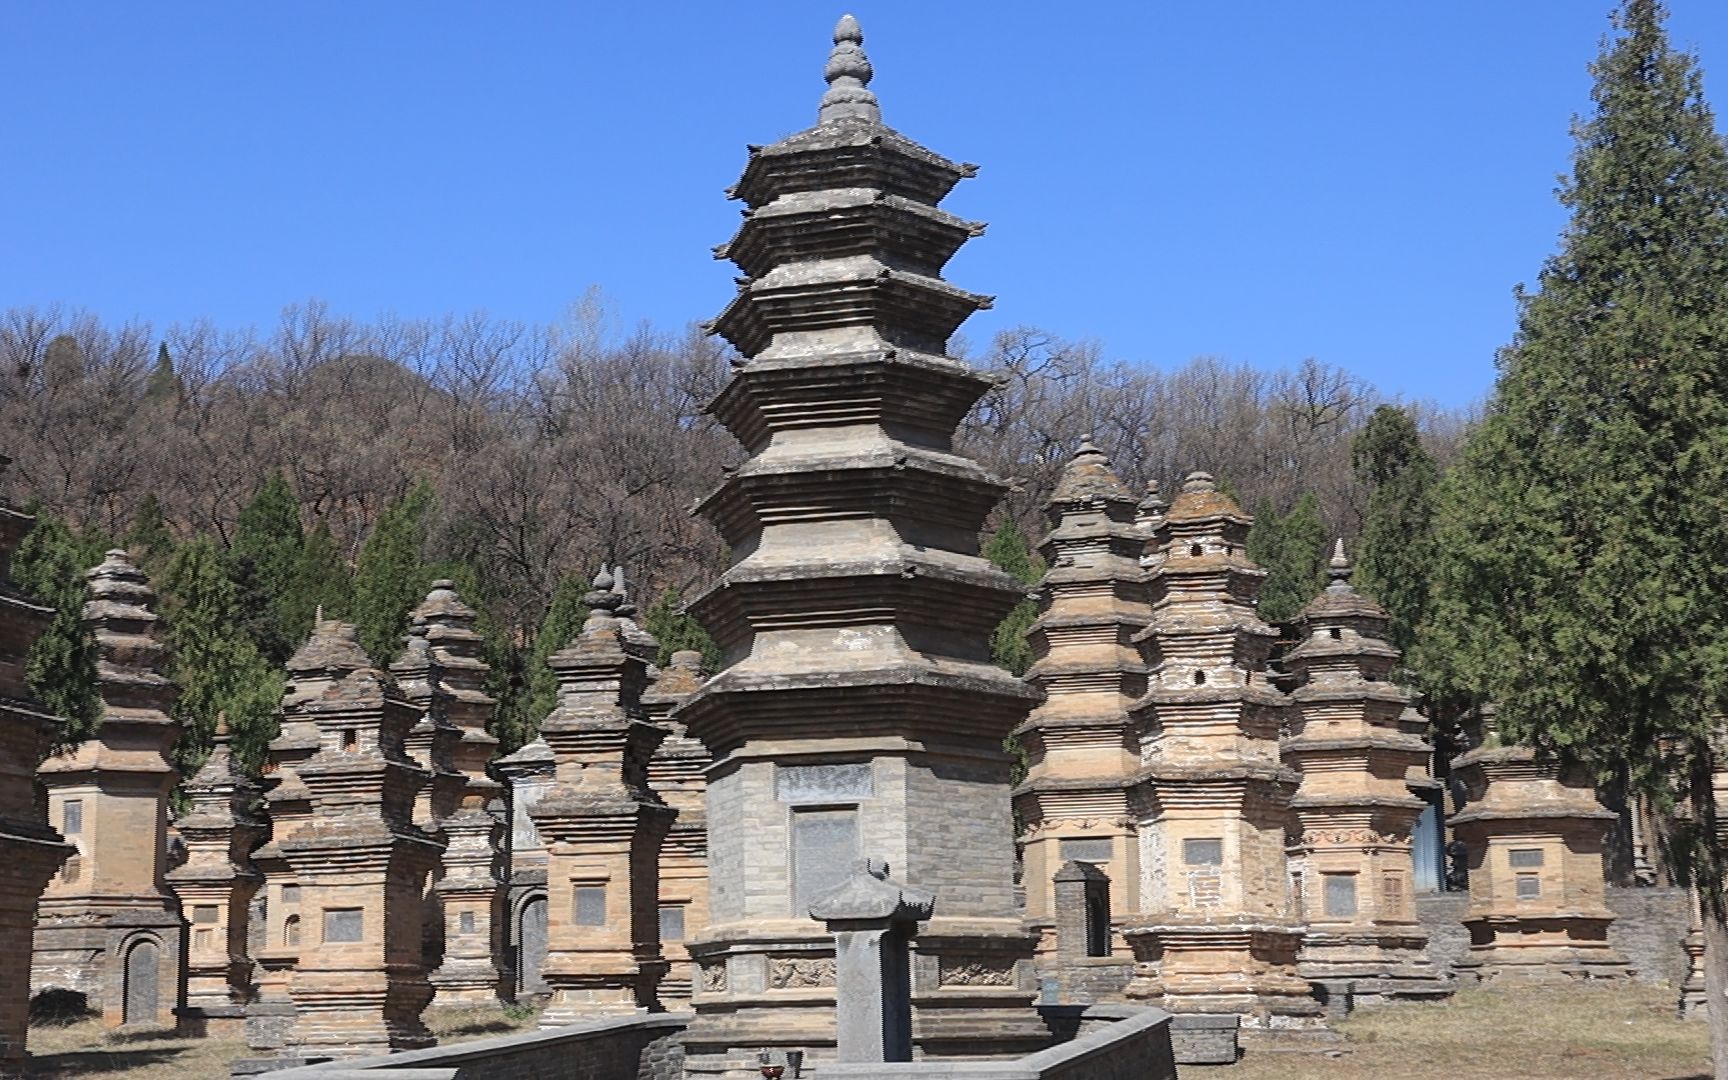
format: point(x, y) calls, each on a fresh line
point(1216, 932)
point(215, 885)
point(1533, 832)
point(1351, 859)
point(360, 867)
point(108, 925)
point(601, 824)
point(1081, 746)
point(678, 774)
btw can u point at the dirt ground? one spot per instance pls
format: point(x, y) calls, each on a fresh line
point(1566, 1033)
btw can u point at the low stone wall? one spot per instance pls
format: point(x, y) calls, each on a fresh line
point(1650, 931)
point(628, 1048)
point(1134, 1048)
point(1442, 915)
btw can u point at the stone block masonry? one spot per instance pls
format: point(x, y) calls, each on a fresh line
point(618, 1048)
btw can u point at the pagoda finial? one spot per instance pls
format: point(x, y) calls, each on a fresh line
point(848, 74)
point(1339, 568)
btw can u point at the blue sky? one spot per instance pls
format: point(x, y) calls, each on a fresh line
point(1358, 181)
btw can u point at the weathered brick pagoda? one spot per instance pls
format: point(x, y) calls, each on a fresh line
point(678, 774)
point(1081, 745)
point(1533, 832)
point(30, 850)
point(470, 892)
point(216, 885)
point(1216, 932)
point(857, 713)
point(602, 826)
point(359, 866)
point(1354, 811)
point(108, 925)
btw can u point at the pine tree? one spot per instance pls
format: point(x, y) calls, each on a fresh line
point(678, 630)
point(563, 620)
point(215, 662)
point(149, 541)
point(163, 384)
point(1292, 551)
point(49, 566)
point(392, 576)
point(265, 561)
point(1580, 577)
point(1010, 552)
point(1395, 553)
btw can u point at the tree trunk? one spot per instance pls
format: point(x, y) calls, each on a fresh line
point(1716, 985)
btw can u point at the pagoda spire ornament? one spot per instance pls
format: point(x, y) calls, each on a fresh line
point(848, 73)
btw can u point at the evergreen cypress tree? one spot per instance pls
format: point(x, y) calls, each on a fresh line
point(677, 630)
point(265, 561)
point(149, 541)
point(1292, 551)
point(322, 582)
point(1395, 553)
point(564, 618)
point(392, 576)
point(215, 662)
point(1581, 582)
point(49, 566)
point(1010, 552)
point(163, 384)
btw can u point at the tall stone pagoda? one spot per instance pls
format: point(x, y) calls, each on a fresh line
point(1216, 932)
point(360, 867)
point(857, 714)
point(678, 775)
point(1354, 811)
point(1082, 750)
point(601, 824)
point(108, 925)
point(1534, 834)
point(215, 885)
point(328, 657)
point(469, 891)
point(31, 851)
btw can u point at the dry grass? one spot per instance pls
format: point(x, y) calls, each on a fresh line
point(1597, 1032)
point(88, 1052)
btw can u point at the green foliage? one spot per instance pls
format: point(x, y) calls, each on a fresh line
point(1292, 551)
point(1580, 581)
point(149, 541)
point(215, 662)
point(163, 384)
point(322, 582)
point(265, 562)
point(392, 576)
point(564, 618)
point(49, 566)
point(1396, 551)
point(1009, 550)
point(677, 630)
